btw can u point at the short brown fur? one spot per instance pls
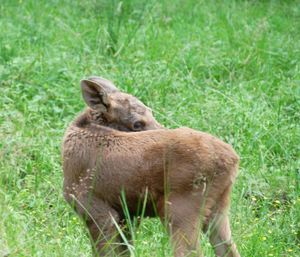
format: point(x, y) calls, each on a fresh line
point(188, 175)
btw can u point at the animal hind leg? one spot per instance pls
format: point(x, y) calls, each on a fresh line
point(218, 227)
point(181, 215)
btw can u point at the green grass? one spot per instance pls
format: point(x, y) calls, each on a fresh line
point(230, 68)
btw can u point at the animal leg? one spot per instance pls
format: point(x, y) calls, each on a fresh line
point(218, 227)
point(101, 220)
point(181, 214)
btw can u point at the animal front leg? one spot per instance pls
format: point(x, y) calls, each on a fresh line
point(102, 221)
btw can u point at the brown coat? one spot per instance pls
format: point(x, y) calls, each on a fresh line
point(186, 174)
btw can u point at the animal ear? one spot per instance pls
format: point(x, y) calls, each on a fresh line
point(106, 85)
point(95, 94)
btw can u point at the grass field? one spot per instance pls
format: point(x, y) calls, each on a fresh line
point(230, 68)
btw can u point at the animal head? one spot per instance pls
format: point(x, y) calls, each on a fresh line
point(119, 110)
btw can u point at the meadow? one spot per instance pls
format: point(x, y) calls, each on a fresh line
point(230, 68)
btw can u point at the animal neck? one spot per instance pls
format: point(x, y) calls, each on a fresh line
point(96, 122)
point(96, 117)
point(88, 118)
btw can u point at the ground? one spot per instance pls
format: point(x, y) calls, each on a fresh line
point(230, 68)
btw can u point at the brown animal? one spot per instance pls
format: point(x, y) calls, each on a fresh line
point(187, 175)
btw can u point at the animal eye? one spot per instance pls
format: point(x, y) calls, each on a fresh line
point(138, 125)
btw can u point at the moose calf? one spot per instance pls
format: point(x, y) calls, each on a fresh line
point(186, 174)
